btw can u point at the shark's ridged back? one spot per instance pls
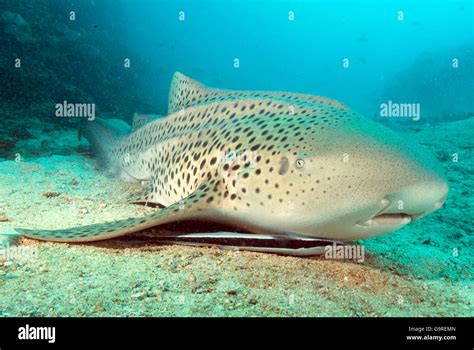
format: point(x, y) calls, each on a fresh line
point(186, 92)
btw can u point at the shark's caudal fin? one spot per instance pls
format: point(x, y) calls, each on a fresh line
point(102, 134)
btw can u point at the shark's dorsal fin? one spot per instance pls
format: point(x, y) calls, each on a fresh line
point(184, 92)
point(140, 119)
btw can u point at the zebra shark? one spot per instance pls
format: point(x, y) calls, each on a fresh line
point(292, 172)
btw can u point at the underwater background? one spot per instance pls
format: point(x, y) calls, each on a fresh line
point(120, 55)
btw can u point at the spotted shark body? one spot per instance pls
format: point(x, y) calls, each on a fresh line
point(274, 164)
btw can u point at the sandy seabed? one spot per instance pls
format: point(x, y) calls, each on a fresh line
point(425, 269)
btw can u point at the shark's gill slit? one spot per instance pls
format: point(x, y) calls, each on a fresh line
point(284, 165)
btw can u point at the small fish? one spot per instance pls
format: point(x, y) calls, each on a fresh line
point(296, 167)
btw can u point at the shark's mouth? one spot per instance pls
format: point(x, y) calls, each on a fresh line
point(395, 219)
point(391, 219)
point(386, 218)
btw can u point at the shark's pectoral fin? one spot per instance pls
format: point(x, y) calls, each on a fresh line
point(189, 207)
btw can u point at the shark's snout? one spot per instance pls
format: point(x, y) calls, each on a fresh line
point(418, 200)
point(409, 204)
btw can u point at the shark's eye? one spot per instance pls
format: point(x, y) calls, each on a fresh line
point(299, 163)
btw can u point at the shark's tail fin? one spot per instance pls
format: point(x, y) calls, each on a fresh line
point(102, 135)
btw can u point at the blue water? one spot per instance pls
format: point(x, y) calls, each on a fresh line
point(395, 50)
point(305, 54)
